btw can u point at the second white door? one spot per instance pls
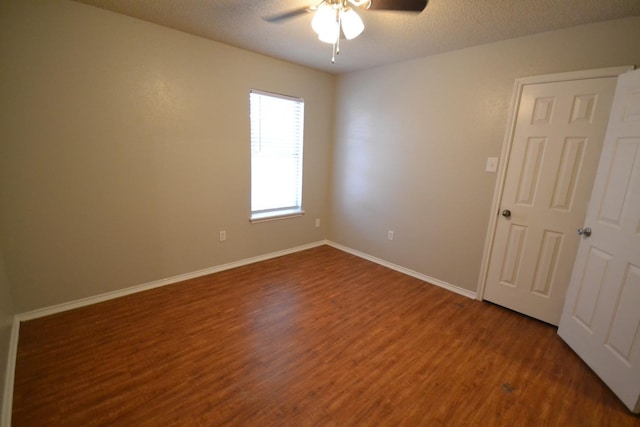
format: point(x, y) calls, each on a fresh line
point(555, 148)
point(601, 319)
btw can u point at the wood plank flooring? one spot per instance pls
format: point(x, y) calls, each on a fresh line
point(316, 338)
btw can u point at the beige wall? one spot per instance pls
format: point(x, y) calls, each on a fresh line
point(412, 141)
point(6, 321)
point(125, 149)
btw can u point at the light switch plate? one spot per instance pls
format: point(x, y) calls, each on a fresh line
point(492, 164)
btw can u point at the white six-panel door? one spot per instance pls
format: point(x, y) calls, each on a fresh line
point(601, 317)
point(556, 144)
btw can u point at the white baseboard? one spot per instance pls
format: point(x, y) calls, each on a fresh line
point(158, 283)
point(7, 395)
point(59, 308)
point(216, 269)
point(448, 286)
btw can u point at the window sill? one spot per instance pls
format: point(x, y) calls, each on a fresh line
point(275, 215)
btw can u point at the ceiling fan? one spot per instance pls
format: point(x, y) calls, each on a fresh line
point(333, 18)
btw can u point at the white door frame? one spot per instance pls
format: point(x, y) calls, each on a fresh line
point(519, 84)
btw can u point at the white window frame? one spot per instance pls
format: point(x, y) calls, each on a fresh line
point(276, 149)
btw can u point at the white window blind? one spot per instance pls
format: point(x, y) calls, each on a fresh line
point(277, 123)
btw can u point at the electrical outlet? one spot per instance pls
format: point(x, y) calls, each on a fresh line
point(223, 235)
point(390, 234)
point(492, 164)
point(317, 222)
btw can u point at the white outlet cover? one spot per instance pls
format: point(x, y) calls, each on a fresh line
point(492, 164)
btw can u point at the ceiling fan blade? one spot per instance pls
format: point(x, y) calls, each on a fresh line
point(287, 15)
point(399, 5)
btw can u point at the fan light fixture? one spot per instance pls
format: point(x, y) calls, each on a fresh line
point(331, 16)
point(334, 17)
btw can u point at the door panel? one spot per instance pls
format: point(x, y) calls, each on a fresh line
point(592, 284)
point(548, 257)
point(601, 318)
point(626, 320)
point(556, 144)
point(570, 162)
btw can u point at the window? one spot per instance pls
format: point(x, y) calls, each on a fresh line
point(276, 155)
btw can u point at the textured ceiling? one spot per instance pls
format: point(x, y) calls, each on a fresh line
point(444, 25)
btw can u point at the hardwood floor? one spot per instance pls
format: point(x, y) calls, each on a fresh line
point(318, 337)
